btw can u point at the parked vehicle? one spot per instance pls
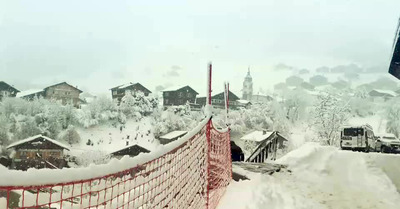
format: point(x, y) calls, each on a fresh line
point(387, 143)
point(357, 138)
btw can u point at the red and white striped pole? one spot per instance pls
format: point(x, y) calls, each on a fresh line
point(208, 131)
point(209, 83)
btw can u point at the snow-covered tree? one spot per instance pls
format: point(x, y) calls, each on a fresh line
point(137, 105)
point(71, 136)
point(330, 113)
point(393, 117)
point(28, 128)
point(98, 111)
point(295, 104)
point(4, 136)
point(360, 104)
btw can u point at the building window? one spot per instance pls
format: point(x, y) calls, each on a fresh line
point(189, 95)
point(114, 92)
point(180, 94)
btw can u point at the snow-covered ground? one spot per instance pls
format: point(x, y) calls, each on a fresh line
point(321, 177)
point(106, 139)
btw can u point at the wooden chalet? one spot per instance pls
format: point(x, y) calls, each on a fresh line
point(132, 151)
point(171, 136)
point(218, 100)
point(7, 90)
point(179, 96)
point(38, 152)
point(119, 91)
point(63, 92)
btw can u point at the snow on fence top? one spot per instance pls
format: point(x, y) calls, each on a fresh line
point(35, 137)
point(35, 177)
point(257, 136)
point(173, 134)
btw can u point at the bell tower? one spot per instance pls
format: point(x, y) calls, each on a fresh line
point(247, 86)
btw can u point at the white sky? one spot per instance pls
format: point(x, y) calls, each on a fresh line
point(99, 44)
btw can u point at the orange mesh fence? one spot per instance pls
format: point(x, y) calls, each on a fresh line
point(193, 175)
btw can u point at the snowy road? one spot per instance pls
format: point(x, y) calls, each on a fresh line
point(321, 177)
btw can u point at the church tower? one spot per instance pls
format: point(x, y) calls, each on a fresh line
point(247, 86)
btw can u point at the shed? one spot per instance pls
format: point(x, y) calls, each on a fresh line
point(132, 151)
point(236, 152)
point(171, 136)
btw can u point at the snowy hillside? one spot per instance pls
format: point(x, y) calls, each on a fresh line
point(101, 140)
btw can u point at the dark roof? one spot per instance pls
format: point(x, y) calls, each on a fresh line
point(6, 85)
point(232, 96)
point(63, 83)
point(124, 86)
point(134, 149)
point(179, 88)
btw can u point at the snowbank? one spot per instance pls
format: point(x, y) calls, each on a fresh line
point(321, 177)
point(48, 176)
point(261, 191)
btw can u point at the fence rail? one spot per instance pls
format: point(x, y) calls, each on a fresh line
point(193, 175)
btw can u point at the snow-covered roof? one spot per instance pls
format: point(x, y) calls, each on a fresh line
point(257, 136)
point(261, 95)
point(173, 134)
point(35, 137)
point(174, 88)
point(242, 101)
point(357, 125)
point(389, 92)
point(28, 92)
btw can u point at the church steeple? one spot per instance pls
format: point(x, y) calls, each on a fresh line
point(247, 86)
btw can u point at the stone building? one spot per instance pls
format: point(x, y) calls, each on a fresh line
point(247, 87)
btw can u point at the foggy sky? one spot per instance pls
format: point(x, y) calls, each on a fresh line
point(99, 44)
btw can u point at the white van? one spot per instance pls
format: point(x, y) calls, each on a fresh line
point(358, 138)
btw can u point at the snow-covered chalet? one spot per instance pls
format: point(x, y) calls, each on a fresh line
point(37, 152)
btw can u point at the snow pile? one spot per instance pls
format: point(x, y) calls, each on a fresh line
point(261, 192)
point(3, 202)
point(321, 177)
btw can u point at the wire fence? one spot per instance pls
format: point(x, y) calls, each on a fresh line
point(192, 175)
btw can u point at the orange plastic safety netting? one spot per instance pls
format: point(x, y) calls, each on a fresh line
point(193, 175)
